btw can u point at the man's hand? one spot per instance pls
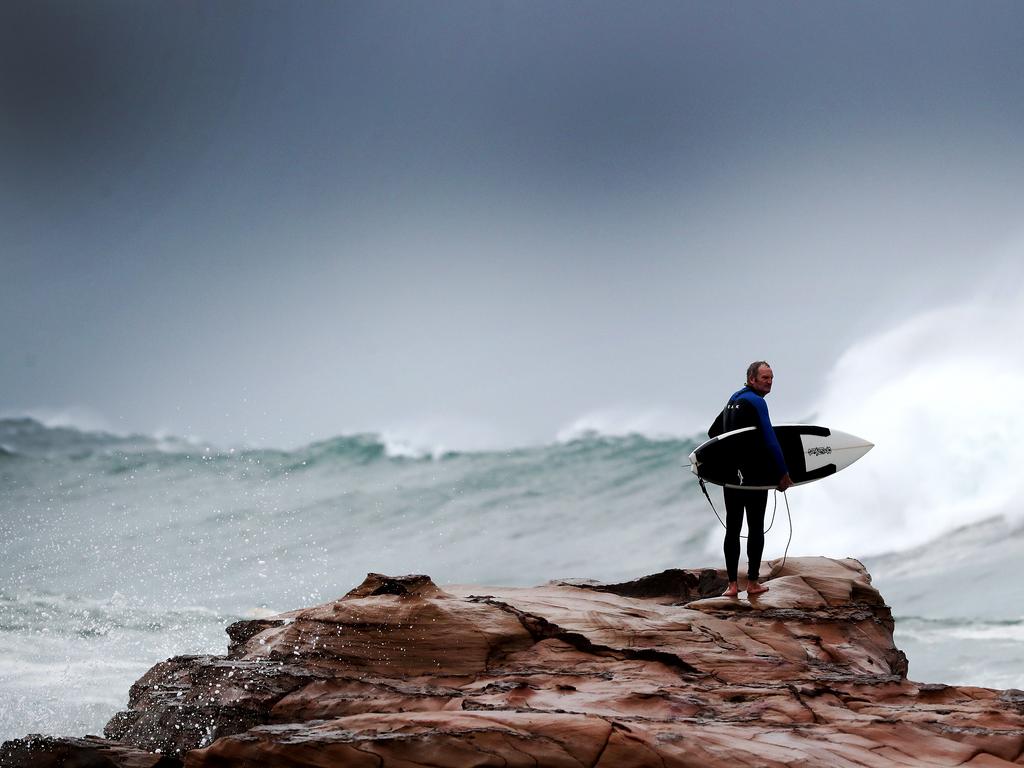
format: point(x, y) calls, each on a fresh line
point(786, 482)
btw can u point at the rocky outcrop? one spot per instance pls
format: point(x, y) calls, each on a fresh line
point(654, 672)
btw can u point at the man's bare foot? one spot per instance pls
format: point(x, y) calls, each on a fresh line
point(732, 591)
point(753, 588)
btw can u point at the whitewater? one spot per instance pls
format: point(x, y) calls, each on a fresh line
point(118, 551)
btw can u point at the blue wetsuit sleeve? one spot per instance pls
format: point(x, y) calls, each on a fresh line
point(769, 434)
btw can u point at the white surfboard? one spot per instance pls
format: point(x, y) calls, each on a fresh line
point(739, 459)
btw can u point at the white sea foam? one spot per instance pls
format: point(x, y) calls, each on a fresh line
point(938, 397)
point(80, 417)
point(622, 421)
point(1011, 632)
point(399, 446)
point(434, 437)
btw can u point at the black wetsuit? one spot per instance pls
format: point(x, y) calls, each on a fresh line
point(747, 408)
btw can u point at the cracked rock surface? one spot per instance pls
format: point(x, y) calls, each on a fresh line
point(654, 672)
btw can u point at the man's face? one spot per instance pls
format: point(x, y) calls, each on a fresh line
point(762, 382)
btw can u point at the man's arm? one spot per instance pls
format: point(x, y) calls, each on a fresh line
point(718, 425)
point(772, 441)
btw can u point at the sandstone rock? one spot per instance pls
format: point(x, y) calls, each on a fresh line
point(656, 672)
point(37, 751)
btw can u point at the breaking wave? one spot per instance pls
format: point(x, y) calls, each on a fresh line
point(937, 397)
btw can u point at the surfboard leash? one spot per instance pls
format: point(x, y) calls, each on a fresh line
point(775, 506)
point(785, 553)
point(708, 497)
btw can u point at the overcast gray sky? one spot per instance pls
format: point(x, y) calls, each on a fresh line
point(479, 222)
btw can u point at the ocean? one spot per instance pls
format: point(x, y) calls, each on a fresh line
point(117, 552)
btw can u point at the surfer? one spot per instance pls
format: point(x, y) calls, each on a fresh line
point(746, 408)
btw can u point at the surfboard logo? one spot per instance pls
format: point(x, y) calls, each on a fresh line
point(820, 450)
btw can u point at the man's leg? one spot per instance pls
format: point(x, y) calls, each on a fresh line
point(733, 525)
point(755, 503)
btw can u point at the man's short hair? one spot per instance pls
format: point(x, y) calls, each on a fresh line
point(754, 367)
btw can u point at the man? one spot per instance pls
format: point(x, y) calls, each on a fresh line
point(746, 408)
